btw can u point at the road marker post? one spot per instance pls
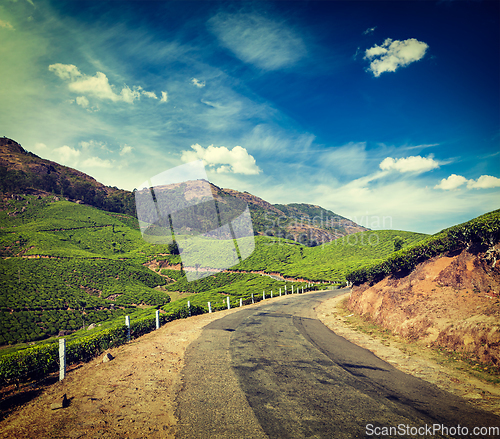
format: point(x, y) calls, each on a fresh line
point(189, 308)
point(241, 302)
point(280, 292)
point(127, 323)
point(209, 307)
point(157, 319)
point(271, 294)
point(263, 295)
point(228, 304)
point(252, 299)
point(62, 359)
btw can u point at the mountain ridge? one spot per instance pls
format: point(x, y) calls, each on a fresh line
point(23, 172)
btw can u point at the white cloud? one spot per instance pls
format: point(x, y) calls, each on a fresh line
point(82, 101)
point(40, 147)
point(129, 95)
point(164, 96)
point(93, 144)
point(268, 44)
point(394, 54)
point(150, 94)
point(236, 161)
point(97, 86)
point(415, 164)
point(96, 162)
point(65, 71)
point(484, 182)
point(370, 30)
point(125, 149)
point(452, 182)
point(6, 25)
point(198, 83)
point(66, 155)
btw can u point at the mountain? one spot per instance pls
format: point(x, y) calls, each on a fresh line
point(22, 172)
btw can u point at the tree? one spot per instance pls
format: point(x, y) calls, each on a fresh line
point(173, 248)
point(398, 243)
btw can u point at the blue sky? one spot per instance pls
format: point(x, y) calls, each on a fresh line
point(387, 113)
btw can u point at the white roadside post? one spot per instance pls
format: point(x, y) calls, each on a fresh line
point(209, 307)
point(189, 308)
point(157, 319)
point(252, 299)
point(271, 294)
point(302, 289)
point(228, 305)
point(62, 359)
point(280, 292)
point(127, 323)
point(263, 295)
point(285, 289)
point(241, 302)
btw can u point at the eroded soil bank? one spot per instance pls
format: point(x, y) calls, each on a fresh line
point(448, 301)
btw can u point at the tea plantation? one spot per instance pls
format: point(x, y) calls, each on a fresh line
point(67, 265)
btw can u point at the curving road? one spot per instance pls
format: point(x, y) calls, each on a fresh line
point(275, 371)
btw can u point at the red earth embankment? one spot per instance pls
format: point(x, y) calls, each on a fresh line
point(447, 301)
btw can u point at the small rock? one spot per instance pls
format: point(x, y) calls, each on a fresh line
point(107, 357)
point(60, 404)
point(91, 326)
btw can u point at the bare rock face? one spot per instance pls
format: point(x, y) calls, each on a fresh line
point(60, 403)
point(107, 357)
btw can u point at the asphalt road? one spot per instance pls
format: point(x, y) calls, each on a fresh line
point(276, 371)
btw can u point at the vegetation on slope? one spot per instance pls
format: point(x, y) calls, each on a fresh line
point(329, 262)
point(67, 265)
point(480, 233)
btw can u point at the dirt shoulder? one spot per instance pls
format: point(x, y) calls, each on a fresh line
point(131, 396)
point(452, 375)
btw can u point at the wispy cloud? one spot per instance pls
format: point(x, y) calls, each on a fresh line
point(198, 83)
point(349, 159)
point(369, 30)
point(392, 55)
point(236, 160)
point(255, 39)
point(6, 25)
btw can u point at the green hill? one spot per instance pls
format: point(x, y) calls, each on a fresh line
point(329, 262)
